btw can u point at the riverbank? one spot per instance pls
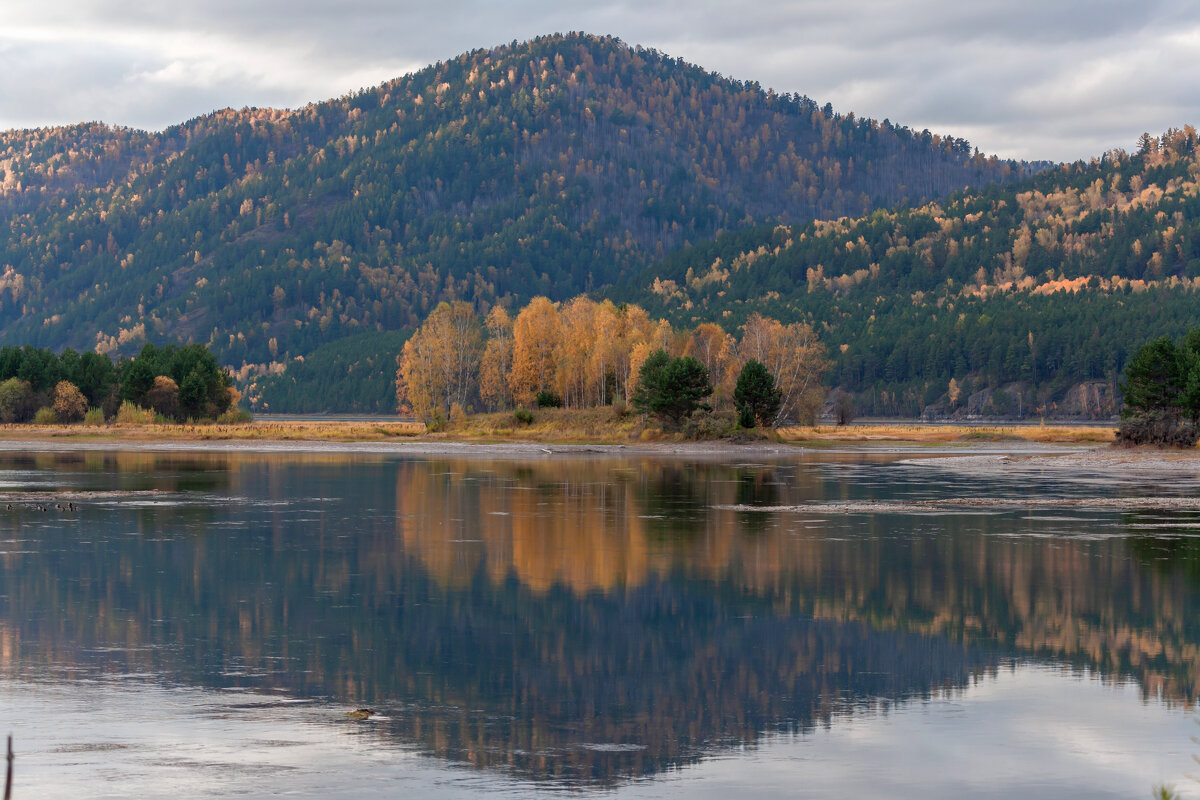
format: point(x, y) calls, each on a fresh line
point(562, 427)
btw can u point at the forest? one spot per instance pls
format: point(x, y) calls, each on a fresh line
point(1036, 286)
point(550, 167)
point(170, 383)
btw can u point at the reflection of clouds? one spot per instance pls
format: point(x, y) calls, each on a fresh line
point(1030, 732)
point(1024, 78)
point(1003, 737)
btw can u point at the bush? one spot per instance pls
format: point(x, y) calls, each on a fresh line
point(1159, 428)
point(707, 425)
point(132, 414)
point(235, 416)
point(547, 399)
point(45, 416)
point(94, 417)
point(69, 404)
point(523, 416)
point(746, 417)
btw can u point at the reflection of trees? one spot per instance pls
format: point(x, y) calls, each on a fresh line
point(516, 614)
point(1078, 601)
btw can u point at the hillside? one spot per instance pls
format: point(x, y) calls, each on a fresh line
point(554, 166)
point(1029, 296)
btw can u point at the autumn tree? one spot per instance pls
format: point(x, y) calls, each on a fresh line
point(536, 335)
point(796, 359)
point(163, 396)
point(496, 363)
point(574, 352)
point(69, 404)
point(714, 348)
point(439, 365)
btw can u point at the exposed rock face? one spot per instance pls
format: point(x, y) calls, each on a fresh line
point(1090, 400)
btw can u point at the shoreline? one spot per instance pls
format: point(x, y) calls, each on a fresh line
point(397, 438)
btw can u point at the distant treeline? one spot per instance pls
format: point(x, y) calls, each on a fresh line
point(582, 353)
point(176, 382)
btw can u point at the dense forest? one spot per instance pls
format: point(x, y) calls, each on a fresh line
point(549, 167)
point(1030, 296)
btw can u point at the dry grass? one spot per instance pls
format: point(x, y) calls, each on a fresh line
point(251, 431)
point(915, 433)
point(590, 425)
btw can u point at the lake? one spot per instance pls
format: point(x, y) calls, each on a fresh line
point(864, 624)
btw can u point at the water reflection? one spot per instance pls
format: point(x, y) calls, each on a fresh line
point(586, 621)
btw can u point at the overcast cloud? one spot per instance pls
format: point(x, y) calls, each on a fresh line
point(1054, 79)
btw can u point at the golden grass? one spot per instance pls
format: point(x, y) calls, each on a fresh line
point(299, 430)
point(591, 425)
point(915, 433)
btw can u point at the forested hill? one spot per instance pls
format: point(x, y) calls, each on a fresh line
point(1039, 289)
point(553, 166)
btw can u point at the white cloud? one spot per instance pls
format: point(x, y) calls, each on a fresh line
point(1019, 77)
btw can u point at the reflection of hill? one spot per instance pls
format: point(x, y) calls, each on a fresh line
point(586, 618)
point(1085, 602)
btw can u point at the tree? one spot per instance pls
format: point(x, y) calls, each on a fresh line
point(439, 365)
point(16, 400)
point(794, 357)
point(672, 387)
point(536, 335)
point(69, 404)
point(756, 396)
point(163, 396)
point(496, 363)
point(1154, 378)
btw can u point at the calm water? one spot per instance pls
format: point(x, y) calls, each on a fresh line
point(201, 624)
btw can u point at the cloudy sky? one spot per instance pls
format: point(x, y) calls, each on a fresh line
point(1056, 79)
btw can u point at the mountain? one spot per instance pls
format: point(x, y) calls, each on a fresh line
point(555, 166)
point(1025, 298)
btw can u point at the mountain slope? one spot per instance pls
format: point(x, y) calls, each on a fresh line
point(1037, 286)
point(553, 166)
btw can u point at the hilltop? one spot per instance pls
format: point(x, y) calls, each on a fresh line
point(559, 165)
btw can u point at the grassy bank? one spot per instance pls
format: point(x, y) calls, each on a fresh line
point(591, 426)
point(914, 433)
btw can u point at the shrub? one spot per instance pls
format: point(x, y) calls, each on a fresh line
point(707, 425)
point(132, 414)
point(1162, 428)
point(547, 399)
point(94, 417)
point(45, 416)
point(235, 416)
point(523, 416)
point(69, 404)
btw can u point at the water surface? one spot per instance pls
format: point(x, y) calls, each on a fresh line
point(200, 625)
